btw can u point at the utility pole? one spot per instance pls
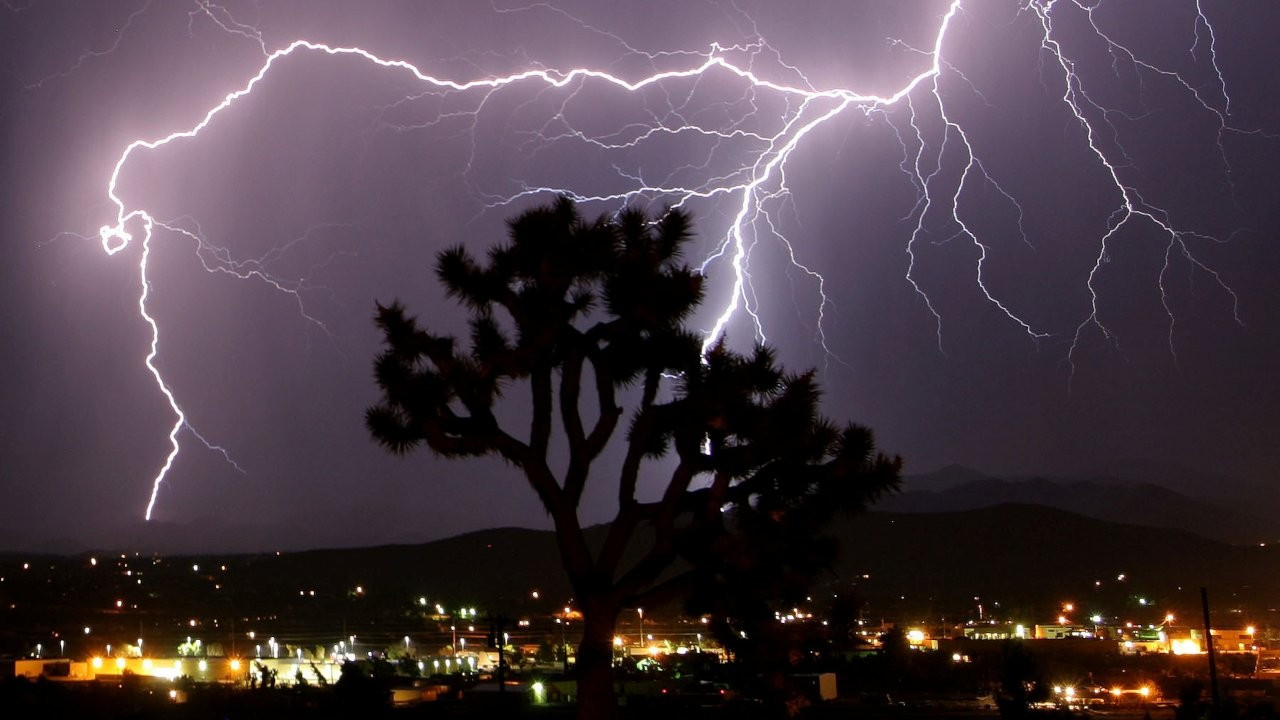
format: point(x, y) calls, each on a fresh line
point(497, 638)
point(564, 642)
point(1208, 639)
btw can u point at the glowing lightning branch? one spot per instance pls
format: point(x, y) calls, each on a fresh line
point(89, 54)
point(1132, 207)
point(756, 185)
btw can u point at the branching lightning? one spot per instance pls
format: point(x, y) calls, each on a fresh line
point(89, 53)
point(757, 187)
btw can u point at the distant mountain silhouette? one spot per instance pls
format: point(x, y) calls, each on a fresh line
point(1136, 492)
point(1018, 554)
point(1020, 561)
point(1113, 498)
point(1030, 556)
point(943, 478)
point(1220, 489)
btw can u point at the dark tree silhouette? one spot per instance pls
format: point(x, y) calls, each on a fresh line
point(588, 317)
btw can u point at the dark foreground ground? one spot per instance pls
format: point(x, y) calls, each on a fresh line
point(20, 699)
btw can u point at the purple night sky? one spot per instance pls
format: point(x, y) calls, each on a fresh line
point(971, 306)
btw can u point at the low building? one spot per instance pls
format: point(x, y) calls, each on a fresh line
point(52, 669)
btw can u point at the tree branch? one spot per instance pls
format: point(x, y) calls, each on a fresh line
point(629, 512)
point(570, 394)
point(663, 550)
point(540, 425)
point(585, 450)
point(606, 400)
point(646, 422)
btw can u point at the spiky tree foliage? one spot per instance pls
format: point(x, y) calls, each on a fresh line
point(751, 471)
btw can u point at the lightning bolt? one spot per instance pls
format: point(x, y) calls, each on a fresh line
point(778, 110)
point(1132, 208)
point(89, 53)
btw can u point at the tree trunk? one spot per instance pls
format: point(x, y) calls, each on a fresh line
point(596, 697)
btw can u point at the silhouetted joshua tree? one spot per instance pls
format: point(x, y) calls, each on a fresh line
point(588, 318)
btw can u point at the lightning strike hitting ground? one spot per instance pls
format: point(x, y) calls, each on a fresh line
point(919, 112)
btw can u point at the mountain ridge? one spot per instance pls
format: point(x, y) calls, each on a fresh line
point(956, 488)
